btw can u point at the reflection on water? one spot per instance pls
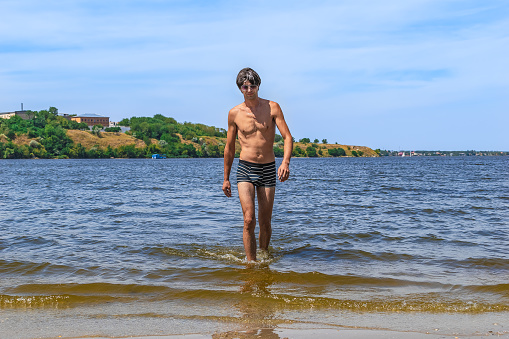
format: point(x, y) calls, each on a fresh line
point(256, 284)
point(257, 318)
point(260, 318)
point(259, 333)
point(257, 281)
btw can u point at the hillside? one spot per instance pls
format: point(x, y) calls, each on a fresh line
point(48, 135)
point(113, 139)
point(88, 140)
point(116, 139)
point(367, 152)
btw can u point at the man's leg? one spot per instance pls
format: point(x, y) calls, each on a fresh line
point(247, 201)
point(265, 204)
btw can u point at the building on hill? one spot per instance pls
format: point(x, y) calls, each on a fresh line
point(66, 115)
point(22, 114)
point(92, 119)
point(123, 129)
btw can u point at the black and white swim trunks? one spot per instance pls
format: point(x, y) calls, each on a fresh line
point(257, 174)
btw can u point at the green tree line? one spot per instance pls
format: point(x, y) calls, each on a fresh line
point(163, 128)
point(48, 131)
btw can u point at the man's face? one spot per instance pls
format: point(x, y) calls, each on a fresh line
point(249, 91)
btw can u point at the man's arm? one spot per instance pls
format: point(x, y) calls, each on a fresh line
point(284, 170)
point(229, 152)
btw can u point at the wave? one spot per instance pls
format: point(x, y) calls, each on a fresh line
point(252, 293)
point(311, 252)
point(212, 256)
point(492, 263)
point(237, 256)
point(53, 301)
point(26, 267)
point(199, 251)
point(427, 211)
point(502, 289)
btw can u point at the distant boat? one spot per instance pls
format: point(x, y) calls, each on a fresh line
point(158, 156)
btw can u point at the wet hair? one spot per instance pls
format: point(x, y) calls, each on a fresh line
point(248, 74)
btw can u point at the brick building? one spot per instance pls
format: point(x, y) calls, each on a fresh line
point(92, 119)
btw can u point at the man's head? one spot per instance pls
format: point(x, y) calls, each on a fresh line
point(248, 74)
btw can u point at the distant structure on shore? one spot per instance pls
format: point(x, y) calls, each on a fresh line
point(123, 129)
point(386, 153)
point(22, 114)
point(89, 119)
point(25, 115)
point(92, 119)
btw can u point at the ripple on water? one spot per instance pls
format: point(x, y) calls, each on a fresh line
point(351, 234)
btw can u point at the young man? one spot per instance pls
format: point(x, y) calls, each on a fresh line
point(255, 121)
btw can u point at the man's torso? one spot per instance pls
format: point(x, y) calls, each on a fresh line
point(256, 130)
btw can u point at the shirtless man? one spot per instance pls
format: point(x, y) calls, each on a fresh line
point(255, 121)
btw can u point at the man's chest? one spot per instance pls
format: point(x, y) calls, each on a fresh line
point(250, 123)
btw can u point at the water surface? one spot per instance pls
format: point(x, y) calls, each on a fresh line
point(158, 239)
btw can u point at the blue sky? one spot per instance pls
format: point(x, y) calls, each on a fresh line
point(400, 74)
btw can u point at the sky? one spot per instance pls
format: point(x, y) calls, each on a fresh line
point(395, 75)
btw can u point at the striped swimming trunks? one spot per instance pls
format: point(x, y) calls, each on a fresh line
point(257, 174)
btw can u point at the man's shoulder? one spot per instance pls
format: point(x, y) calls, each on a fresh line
point(267, 102)
point(237, 108)
point(273, 103)
point(274, 107)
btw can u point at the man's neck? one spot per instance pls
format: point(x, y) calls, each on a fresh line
point(252, 103)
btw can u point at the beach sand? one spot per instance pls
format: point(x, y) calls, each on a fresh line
point(318, 333)
point(75, 323)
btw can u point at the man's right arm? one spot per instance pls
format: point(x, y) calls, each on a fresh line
point(229, 151)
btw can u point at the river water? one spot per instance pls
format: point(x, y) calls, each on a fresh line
point(143, 247)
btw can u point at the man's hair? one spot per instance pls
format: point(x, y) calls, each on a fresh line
point(248, 74)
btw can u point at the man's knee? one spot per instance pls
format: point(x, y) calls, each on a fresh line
point(265, 217)
point(249, 221)
point(265, 226)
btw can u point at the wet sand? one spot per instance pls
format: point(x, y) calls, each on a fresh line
point(74, 323)
point(329, 333)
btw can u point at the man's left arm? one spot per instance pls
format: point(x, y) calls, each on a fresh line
point(284, 170)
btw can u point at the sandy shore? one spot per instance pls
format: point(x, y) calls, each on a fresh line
point(45, 324)
point(319, 333)
point(114, 321)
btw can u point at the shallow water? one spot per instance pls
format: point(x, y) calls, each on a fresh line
point(362, 235)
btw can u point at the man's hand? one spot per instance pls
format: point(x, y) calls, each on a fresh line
point(283, 172)
point(227, 188)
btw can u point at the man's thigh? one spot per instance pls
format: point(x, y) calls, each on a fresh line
point(246, 196)
point(265, 199)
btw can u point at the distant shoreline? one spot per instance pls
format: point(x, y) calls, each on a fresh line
point(293, 158)
point(48, 135)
